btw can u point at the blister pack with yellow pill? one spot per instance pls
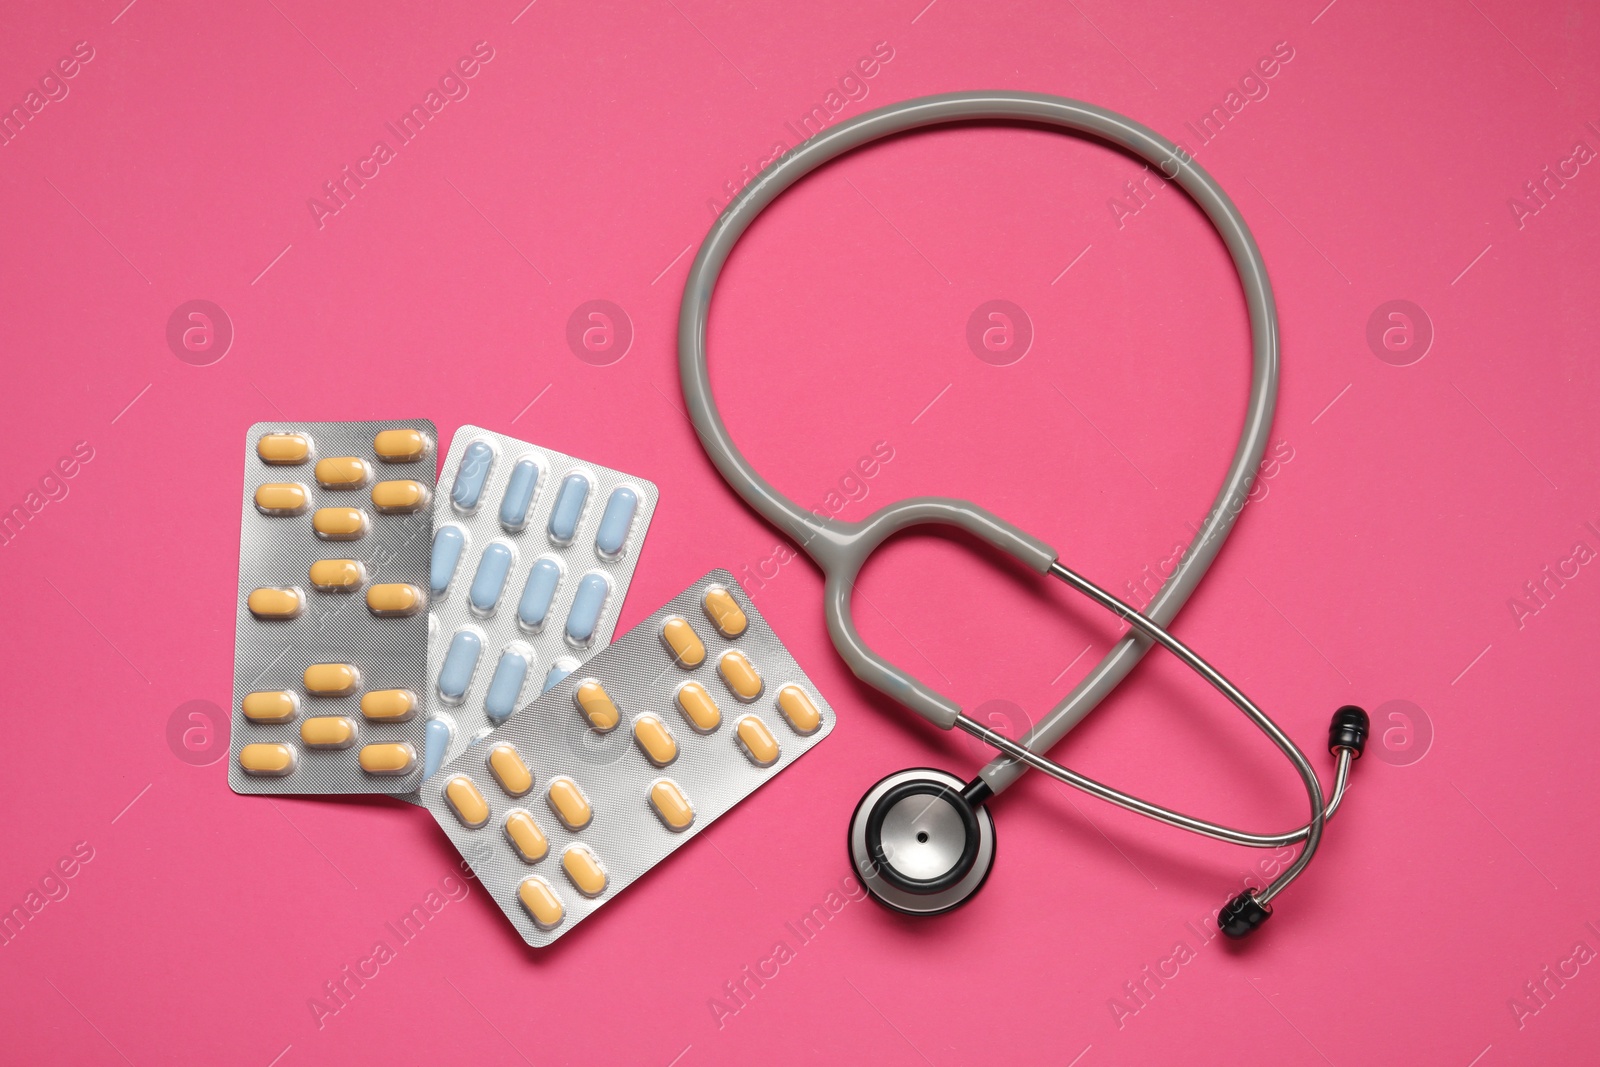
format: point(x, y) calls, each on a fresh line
point(331, 649)
point(533, 552)
point(624, 760)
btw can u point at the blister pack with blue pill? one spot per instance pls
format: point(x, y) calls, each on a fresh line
point(533, 552)
point(330, 660)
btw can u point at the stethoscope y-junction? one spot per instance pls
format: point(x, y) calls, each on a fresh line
point(923, 840)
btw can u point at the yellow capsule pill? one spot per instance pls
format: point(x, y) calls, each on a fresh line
point(724, 611)
point(332, 679)
point(569, 803)
point(400, 446)
point(395, 757)
point(394, 600)
point(740, 674)
point(526, 837)
point(339, 524)
point(698, 707)
point(400, 497)
point(655, 740)
point(684, 644)
point(283, 449)
point(270, 707)
point(389, 705)
point(328, 731)
point(799, 710)
point(583, 867)
point(282, 498)
point(596, 705)
point(541, 902)
point(338, 575)
point(277, 603)
point(671, 805)
point(461, 793)
point(267, 760)
point(342, 472)
point(757, 741)
point(509, 770)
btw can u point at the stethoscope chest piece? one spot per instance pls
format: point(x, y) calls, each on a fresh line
point(918, 845)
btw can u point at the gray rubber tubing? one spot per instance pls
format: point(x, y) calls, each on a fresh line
point(840, 548)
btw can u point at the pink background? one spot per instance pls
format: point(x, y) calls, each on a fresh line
point(1376, 565)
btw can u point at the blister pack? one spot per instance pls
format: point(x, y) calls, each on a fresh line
point(331, 646)
point(533, 552)
point(617, 765)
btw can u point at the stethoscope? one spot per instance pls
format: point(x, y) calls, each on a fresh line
point(922, 841)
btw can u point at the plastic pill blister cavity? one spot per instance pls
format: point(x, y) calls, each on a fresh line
point(331, 648)
point(532, 554)
point(627, 757)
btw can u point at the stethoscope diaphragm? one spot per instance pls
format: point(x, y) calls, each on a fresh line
point(918, 845)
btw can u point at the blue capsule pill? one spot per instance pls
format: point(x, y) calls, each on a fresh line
point(447, 546)
point(460, 660)
point(519, 494)
point(559, 670)
point(490, 578)
point(585, 612)
point(569, 508)
point(471, 474)
point(616, 522)
point(506, 685)
point(537, 594)
point(435, 742)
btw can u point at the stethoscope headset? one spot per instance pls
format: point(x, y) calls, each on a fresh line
point(922, 841)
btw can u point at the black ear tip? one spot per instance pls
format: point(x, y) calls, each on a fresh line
point(1349, 729)
point(1240, 917)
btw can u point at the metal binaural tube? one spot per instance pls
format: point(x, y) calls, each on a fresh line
point(1313, 829)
